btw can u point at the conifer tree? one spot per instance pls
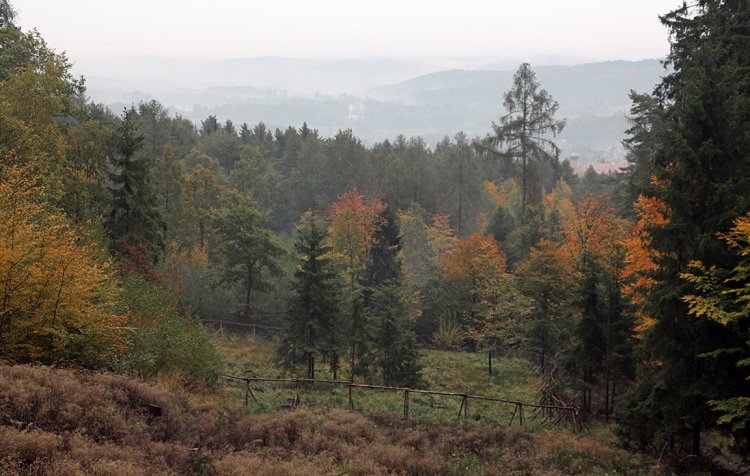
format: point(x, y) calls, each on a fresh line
point(310, 327)
point(394, 354)
point(134, 219)
point(521, 135)
point(701, 169)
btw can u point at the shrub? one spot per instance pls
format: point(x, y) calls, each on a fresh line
point(163, 341)
point(448, 336)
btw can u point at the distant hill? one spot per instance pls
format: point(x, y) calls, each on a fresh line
point(587, 89)
point(294, 75)
point(593, 97)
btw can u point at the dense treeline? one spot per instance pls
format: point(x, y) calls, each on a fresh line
point(121, 232)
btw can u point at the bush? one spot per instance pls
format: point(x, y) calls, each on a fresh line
point(448, 336)
point(161, 339)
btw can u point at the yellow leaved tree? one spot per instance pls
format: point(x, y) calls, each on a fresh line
point(56, 292)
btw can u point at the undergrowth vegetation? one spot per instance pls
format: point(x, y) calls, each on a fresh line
point(461, 372)
point(65, 422)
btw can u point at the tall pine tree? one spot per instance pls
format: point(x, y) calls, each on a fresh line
point(702, 165)
point(395, 352)
point(310, 328)
point(134, 219)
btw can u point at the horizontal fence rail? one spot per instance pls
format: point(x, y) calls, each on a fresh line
point(554, 414)
point(220, 325)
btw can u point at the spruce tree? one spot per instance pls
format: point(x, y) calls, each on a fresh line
point(395, 352)
point(310, 328)
point(702, 166)
point(134, 219)
point(384, 263)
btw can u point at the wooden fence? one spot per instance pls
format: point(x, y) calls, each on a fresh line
point(553, 414)
point(251, 327)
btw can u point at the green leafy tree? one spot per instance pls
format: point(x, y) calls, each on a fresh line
point(724, 297)
point(7, 14)
point(546, 277)
point(245, 248)
point(170, 180)
point(202, 195)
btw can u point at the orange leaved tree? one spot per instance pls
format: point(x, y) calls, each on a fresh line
point(641, 257)
point(594, 242)
point(353, 221)
point(56, 292)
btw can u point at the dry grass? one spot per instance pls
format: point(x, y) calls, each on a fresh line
point(64, 422)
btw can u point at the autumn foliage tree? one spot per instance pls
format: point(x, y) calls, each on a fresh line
point(353, 222)
point(641, 257)
point(723, 296)
point(593, 244)
point(471, 268)
point(56, 290)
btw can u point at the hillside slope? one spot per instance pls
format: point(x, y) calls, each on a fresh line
point(64, 422)
point(585, 89)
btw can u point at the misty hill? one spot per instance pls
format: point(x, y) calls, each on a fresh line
point(593, 97)
point(587, 89)
point(293, 75)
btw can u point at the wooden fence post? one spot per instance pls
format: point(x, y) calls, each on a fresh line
point(296, 391)
point(489, 360)
point(564, 412)
point(406, 407)
point(465, 405)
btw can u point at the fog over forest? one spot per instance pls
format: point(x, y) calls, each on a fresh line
point(378, 98)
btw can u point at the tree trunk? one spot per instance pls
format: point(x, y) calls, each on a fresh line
point(460, 195)
point(246, 313)
point(697, 439)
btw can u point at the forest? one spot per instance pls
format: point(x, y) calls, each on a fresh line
point(125, 234)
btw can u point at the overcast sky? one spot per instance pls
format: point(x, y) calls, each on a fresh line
point(573, 30)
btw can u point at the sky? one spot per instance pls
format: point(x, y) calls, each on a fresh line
point(569, 31)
